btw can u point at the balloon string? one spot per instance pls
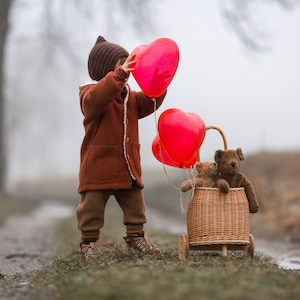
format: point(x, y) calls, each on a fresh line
point(164, 166)
point(160, 148)
point(193, 184)
point(192, 180)
point(181, 203)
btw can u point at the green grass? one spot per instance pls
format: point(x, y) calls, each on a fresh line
point(124, 276)
point(119, 274)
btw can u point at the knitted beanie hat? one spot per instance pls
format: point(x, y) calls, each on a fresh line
point(103, 58)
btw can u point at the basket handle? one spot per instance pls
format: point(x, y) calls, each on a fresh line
point(222, 135)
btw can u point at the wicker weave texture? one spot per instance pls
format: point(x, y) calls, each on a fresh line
point(217, 218)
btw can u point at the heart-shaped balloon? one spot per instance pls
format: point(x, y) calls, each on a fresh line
point(161, 155)
point(155, 66)
point(181, 134)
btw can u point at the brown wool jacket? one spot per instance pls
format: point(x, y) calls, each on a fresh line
point(102, 158)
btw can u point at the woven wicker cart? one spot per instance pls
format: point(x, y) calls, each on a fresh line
point(217, 221)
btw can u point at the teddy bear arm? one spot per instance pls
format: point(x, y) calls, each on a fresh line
point(198, 182)
point(222, 185)
point(185, 186)
point(252, 199)
point(251, 195)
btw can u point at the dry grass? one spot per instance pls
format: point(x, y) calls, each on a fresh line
point(276, 178)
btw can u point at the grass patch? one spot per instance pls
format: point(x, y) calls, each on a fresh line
point(119, 274)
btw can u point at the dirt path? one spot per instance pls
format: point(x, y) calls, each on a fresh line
point(27, 241)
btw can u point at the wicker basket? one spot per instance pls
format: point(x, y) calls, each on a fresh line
point(214, 218)
point(217, 218)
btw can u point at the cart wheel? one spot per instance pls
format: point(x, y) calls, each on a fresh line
point(250, 249)
point(183, 247)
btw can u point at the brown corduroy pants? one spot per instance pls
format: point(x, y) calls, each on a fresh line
point(90, 211)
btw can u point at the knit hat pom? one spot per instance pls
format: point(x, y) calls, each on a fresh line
point(103, 58)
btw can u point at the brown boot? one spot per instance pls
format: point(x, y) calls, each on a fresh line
point(89, 250)
point(140, 243)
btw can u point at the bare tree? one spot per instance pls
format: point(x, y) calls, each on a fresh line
point(4, 24)
point(240, 15)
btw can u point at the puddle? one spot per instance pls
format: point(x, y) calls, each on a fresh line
point(286, 254)
point(290, 262)
point(167, 223)
point(53, 211)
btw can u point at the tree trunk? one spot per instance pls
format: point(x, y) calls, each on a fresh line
point(4, 16)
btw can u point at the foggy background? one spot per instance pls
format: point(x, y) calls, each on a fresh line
point(241, 75)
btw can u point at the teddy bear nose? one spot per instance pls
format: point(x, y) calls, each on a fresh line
point(233, 164)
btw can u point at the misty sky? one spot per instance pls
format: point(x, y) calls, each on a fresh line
point(253, 97)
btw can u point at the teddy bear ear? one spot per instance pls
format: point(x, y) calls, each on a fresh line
point(240, 153)
point(218, 155)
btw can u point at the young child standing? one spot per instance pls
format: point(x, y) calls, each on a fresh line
point(110, 151)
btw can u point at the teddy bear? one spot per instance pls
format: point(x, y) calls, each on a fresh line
point(206, 177)
point(229, 176)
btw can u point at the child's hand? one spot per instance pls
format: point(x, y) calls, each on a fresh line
point(128, 64)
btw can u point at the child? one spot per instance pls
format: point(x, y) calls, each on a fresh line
point(110, 151)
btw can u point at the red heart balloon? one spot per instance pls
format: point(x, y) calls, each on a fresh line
point(161, 155)
point(155, 66)
point(181, 134)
